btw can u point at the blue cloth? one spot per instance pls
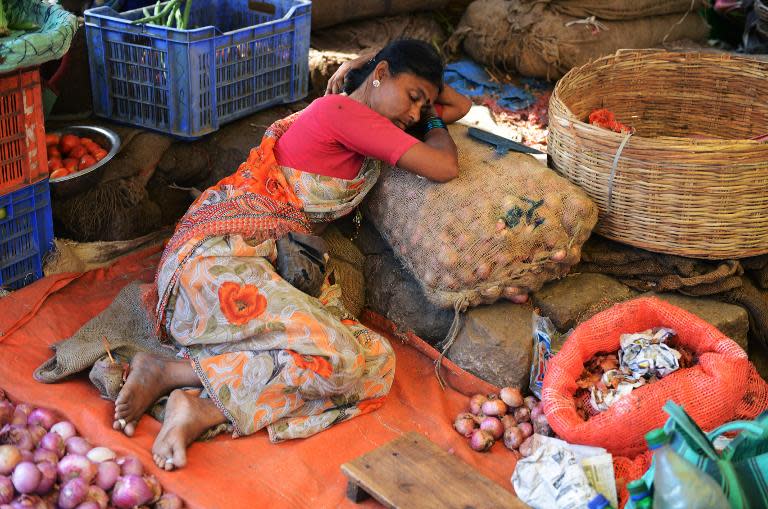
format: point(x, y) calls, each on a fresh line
point(471, 80)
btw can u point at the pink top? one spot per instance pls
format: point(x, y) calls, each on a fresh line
point(335, 134)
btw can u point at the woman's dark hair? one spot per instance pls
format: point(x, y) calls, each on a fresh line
point(404, 55)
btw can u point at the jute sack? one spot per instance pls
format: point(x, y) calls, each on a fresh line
point(346, 264)
point(534, 40)
point(624, 9)
point(503, 228)
point(326, 13)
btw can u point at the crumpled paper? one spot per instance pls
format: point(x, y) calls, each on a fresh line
point(552, 478)
point(644, 357)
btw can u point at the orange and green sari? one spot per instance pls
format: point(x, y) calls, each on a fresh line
point(267, 354)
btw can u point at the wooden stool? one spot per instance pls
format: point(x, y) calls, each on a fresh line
point(413, 473)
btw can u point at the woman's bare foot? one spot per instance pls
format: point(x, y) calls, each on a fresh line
point(149, 378)
point(187, 416)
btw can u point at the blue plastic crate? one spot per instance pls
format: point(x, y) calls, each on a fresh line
point(26, 234)
point(248, 56)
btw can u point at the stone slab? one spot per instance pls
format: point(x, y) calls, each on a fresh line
point(495, 344)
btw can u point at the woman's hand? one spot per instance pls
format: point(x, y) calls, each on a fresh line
point(336, 83)
point(454, 105)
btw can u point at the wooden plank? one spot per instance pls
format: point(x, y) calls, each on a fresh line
point(413, 473)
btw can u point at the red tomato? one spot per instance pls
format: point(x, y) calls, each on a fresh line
point(68, 142)
point(70, 164)
point(78, 152)
point(92, 147)
point(85, 140)
point(54, 163)
point(87, 161)
point(51, 139)
point(61, 172)
point(53, 152)
point(100, 154)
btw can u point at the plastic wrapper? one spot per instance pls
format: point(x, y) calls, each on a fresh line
point(546, 343)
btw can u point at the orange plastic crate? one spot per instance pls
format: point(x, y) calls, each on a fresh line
point(23, 158)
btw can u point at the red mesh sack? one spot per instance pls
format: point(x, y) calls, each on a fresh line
point(721, 387)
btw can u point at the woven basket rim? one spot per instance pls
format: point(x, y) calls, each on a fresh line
point(653, 53)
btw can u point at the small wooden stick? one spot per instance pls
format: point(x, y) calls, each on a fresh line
point(106, 347)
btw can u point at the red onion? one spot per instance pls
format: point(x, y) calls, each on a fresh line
point(28, 502)
point(75, 465)
point(73, 493)
point(481, 441)
point(18, 436)
point(476, 403)
point(47, 477)
point(508, 421)
point(526, 428)
point(493, 426)
point(541, 426)
point(6, 490)
point(130, 465)
point(99, 496)
point(107, 475)
point(511, 396)
point(24, 408)
point(494, 407)
point(10, 456)
point(78, 445)
point(522, 414)
point(536, 411)
point(53, 442)
point(26, 477)
point(530, 402)
point(526, 448)
point(41, 455)
point(130, 491)
point(27, 456)
point(154, 485)
point(169, 501)
point(37, 433)
point(64, 428)
point(20, 415)
point(89, 504)
point(513, 437)
point(43, 417)
point(465, 424)
point(6, 412)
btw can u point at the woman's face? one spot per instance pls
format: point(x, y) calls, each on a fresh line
point(402, 97)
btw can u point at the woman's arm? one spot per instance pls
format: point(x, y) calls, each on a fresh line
point(336, 83)
point(436, 158)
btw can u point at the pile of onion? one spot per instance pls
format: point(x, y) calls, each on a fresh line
point(44, 464)
point(506, 416)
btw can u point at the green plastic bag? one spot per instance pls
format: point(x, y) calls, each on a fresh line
point(30, 48)
point(741, 468)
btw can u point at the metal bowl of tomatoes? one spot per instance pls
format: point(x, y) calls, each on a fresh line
point(76, 156)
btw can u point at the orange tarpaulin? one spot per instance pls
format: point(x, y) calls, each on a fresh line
point(248, 472)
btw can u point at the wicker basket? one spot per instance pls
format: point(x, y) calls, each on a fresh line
point(690, 181)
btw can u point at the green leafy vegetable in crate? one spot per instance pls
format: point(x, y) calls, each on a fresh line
point(168, 15)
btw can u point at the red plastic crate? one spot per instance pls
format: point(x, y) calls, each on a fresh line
point(23, 158)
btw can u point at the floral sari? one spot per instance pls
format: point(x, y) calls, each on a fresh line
point(267, 354)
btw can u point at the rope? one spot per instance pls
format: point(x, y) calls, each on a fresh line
point(679, 22)
point(459, 307)
point(590, 22)
point(613, 168)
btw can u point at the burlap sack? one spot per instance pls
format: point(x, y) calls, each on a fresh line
point(503, 228)
point(327, 13)
point(532, 39)
point(124, 324)
point(333, 46)
point(347, 264)
point(624, 9)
